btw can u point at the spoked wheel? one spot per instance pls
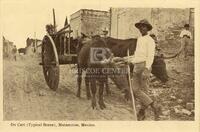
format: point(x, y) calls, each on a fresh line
point(50, 62)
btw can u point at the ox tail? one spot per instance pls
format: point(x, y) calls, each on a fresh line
point(175, 55)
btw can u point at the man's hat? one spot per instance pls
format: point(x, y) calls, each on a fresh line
point(143, 22)
point(186, 25)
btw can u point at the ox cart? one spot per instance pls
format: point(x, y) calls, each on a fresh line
point(58, 48)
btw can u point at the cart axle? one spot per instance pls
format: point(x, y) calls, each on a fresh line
point(49, 64)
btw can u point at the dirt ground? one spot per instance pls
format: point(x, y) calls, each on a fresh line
point(26, 95)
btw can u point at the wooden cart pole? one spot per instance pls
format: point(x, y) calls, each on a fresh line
point(69, 40)
point(131, 88)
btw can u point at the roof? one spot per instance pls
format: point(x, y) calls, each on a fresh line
point(6, 41)
point(89, 12)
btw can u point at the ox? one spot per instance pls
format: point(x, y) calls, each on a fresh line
point(119, 48)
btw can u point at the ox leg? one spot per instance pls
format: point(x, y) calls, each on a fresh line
point(93, 89)
point(101, 101)
point(87, 84)
point(79, 80)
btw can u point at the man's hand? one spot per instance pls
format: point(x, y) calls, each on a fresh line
point(117, 59)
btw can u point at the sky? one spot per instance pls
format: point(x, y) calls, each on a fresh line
point(21, 18)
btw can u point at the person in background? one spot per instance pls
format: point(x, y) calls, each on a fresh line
point(186, 37)
point(105, 32)
point(14, 51)
point(50, 29)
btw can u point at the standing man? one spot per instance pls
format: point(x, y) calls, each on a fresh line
point(50, 29)
point(14, 51)
point(186, 37)
point(105, 32)
point(142, 60)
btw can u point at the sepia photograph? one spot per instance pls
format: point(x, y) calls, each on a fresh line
point(70, 61)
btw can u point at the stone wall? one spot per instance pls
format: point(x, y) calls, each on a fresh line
point(124, 19)
point(89, 22)
point(75, 23)
point(167, 22)
point(7, 48)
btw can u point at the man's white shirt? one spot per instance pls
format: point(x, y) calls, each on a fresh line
point(144, 52)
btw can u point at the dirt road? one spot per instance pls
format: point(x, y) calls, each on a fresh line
point(27, 96)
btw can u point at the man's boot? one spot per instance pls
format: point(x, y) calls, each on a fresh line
point(141, 114)
point(156, 110)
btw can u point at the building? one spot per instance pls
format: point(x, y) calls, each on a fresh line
point(7, 47)
point(89, 22)
point(39, 48)
point(33, 46)
point(167, 22)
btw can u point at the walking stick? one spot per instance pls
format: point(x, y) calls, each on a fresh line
point(131, 90)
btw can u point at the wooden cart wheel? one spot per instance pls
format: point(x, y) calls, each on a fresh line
point(50, 62)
